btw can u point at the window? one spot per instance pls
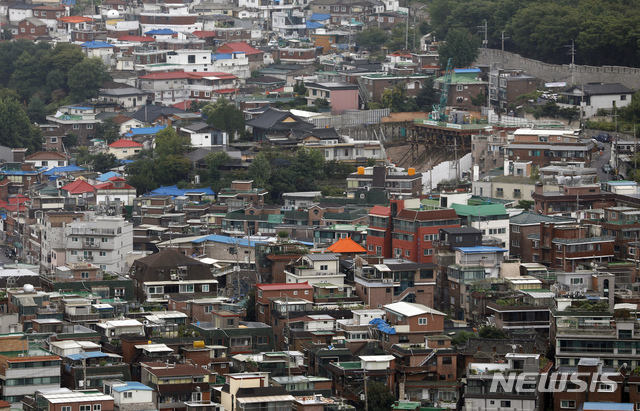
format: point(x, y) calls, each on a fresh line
point(505, 403)
point(605, 388)
point(422, 321)
point(103, 253)
point(407, 253)
point(128, 394)
point(459, 87)
point(196, 396)
point(85, 408)
point(76, 126)
point(446, 360)
point(515, 243)
point(205, 288)
point(567, 404)
point(119, 292)
point(89, 126)
point(577, 280)
point(558, 247)
point(295, 293)
point(97, 407)
point(427, 252)
point(515, 229)
point(499, 192)
point(186, 288)
point(65, 408)
point(623, 97)
point(84, 275)
point(324, 267)
point(104, 240)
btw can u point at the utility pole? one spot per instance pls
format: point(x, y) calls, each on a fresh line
point(485, 42)
point(366, 396)
point(572, 51)
point(406, 31)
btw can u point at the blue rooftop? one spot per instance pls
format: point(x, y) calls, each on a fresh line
point(160, 31)
point(221, 56)
point(140, 131)
point(320, 17)
point(383, 326)
point(606, 406)
point(18, 173)
point(469, 70)
point(314, 25)
point(67, 169)
point(81, 108)
point(175, 191)
point(96, 45)
point(90, 354)
point(216, 238)
point(480, 249)
point(132, 385)
point(107, 176)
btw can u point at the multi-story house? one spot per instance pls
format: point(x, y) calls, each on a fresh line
point(266, 292)
point(315, 268)
point(27, 368)
point(480, 378)
point(428, 371)
point(392, 280)
point(571, 200)
point(464, 88)
point(348, 378)
point(393, 180)
point(53, 238)
point(176, 384)
point(505, 85)
point(64, 399)
point(128, 394)
point(408, 323)
point(251, 391)
point(340, 95)
point(595, 96)
point(540, 147)
point(491, 219)
point(525, 224)
point(78, 120)
point(488, 151)
point(374, 85)
point(256, 57)
point(203, 135)
point(358, 328)
point(92, 369)
point(623, 224)
point(115, 191)
point(175, 17)
point(471, 264)
point(177, 86)
point(105, 242)
point(159, 276)
point(570, 247)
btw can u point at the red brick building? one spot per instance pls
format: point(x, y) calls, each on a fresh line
point(265, 292)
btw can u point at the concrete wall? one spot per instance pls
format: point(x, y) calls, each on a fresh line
point(628, 76)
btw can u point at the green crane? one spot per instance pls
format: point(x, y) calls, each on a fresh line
point(439, 109)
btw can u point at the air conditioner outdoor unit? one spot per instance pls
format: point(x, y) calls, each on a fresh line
point(167, 296)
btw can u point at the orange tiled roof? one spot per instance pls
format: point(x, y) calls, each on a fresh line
point(346, 245)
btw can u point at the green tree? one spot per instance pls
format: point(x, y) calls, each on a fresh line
point(480, 100)
point(525, 204)
point(214, 162)
point(171, 169)
point(140, 174)
point(300, 89)
point(461, 46)
point(103, 162)
point(260, 170)
point(16, 130)
point(321, 103)
point(108, 130)
point(82, 156)
point(397, 100)
point(461, 338)
point(169, 143)
point(86, 78)
point(26, 81)
point(427, 96)
point(224, 116)
point(36, 110)
point(379, 397)
point(372, 38)
point(492, 332)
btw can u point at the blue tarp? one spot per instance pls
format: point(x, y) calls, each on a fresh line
point(90, 354)
point(175, 191)
point(320, 17)
point(469, 70)
point(383, 326)
point(480, 249)
point(160, 31)
point(107, 176)
point(96, 45)
point(314, 25)
point(57, 170)
point(132, 385)
point(141, 131)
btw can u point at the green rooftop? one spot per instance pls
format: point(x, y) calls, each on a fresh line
point(352, 365)
point(480, 210)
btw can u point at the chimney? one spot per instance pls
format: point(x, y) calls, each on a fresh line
point(538, 188)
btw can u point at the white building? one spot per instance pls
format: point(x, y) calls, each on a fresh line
point(204, 135)
point(104, 242)
point(125, 393)
point(595, 96)
point(115, 328)
point(236, 63)
point(191, 60)
point(316, 269)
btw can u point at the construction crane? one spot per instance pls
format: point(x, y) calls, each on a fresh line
point(438, 113)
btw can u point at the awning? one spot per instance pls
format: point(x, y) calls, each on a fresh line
point(270, 398)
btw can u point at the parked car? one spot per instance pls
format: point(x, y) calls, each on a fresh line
point(603, 137)
point(607, 168)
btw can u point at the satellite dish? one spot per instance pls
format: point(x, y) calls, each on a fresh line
point(28, 288)
point(113, 14)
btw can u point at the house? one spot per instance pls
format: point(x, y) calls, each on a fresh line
point(203, 135)
point(105, 242)
point(391, 179)
point(465, 86)
point(125, 97)
point(346, 376)
point(505, 85)
point(176, 385)
point(161, 275)
point(373, 85)
point(491, 219)
point(276, 123)
point(52, 137)
point(340, 95)
point(569, 200)
point(522, 226)
point(255, 56)
point(408, 322)
point(252, 391)
point(315, 268)
point(298, 55)
point(129, 394)
point(124, 148)
point(115, 190)
point(62, 399)
point(32, 28)
point(47, 159)
point(103, 50)
point(598, 96)
point(80, 191)
point(91, 369)
point(79, 120)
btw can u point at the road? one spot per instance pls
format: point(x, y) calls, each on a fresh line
point(600, 160)
point(3, 258)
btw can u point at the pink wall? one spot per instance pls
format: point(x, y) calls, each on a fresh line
point(342, 100)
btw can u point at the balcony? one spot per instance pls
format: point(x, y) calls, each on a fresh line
point(91, 245)
point(93, 231)
point(81, 317)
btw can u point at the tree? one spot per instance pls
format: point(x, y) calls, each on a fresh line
point(71, 140)
point(321, 103)
point(86, 78)
point(461, 337)
point(525, 204)
point(171, 169)
point(82, 156)
point(214, 162)
point(16, 130)
point(300, 89)
point(480, 100)
point(260, 170)
point(103, 162)
point(224, 116)
point(397, 100)
point(379, 397)
point(492, 332)
point(36, 110)
point(461, 46)
point(372, 38)
point(169, 143)
point(108, 130)
point(427, 96)
point(141, 175)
